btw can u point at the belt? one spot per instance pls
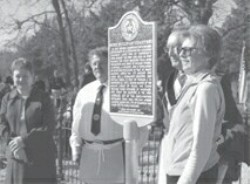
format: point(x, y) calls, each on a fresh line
point(106, 142)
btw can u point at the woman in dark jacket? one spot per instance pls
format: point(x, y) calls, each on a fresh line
point(27, 118)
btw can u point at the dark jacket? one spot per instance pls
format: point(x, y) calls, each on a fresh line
point(4, 88)
point(57, 83)
point(39, 144)
point(168, 86)
point(234, 132)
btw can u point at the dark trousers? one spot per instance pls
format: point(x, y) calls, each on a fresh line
point(208, 177)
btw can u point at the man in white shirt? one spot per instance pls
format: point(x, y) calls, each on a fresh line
point(99, 150)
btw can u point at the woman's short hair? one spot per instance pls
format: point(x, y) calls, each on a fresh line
point(99, 51)
point(210, 39)
point(21, 63)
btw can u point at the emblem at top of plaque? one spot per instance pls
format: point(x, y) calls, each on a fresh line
point(129, 27)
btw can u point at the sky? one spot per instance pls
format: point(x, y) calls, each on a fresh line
point(13, 10)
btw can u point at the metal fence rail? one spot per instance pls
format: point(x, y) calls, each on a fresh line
point(68, 172)
point(148, 160)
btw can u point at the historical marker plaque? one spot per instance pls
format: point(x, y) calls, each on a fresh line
point(132, 69)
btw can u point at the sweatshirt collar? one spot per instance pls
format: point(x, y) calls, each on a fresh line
point(198, 76)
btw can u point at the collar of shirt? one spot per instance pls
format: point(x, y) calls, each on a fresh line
point(105, 83)
point(198, 76)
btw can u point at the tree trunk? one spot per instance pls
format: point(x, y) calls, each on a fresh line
point(72, 41)
point(247, 33)
point(63, 40)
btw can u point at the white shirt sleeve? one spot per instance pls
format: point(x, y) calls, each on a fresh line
point(207, 102)
point(75, 139)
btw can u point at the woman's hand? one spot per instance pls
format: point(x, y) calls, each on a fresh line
point(16, 144)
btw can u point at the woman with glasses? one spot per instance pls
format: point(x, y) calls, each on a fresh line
point(196, 118)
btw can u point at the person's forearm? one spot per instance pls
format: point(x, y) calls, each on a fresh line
point(76, 146)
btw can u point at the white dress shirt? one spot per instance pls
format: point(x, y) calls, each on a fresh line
point(82, 115)
point(99, 163)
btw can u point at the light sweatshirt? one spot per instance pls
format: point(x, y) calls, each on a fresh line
point(195, 125)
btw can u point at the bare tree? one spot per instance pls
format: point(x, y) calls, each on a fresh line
point(64, 43)
point(72, 41)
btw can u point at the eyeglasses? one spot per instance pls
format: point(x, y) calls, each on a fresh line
point(166, 49)
point(187, 51)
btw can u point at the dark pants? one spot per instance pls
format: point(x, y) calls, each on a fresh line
point(208, 177)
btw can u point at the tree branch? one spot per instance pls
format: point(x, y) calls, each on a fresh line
point(228, 31)
point(20, 23)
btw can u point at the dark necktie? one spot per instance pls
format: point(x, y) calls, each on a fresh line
point(96, 117)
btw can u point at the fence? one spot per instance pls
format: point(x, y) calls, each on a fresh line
point(68, 172)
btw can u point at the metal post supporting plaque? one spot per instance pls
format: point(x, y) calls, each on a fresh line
point(132, 70)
